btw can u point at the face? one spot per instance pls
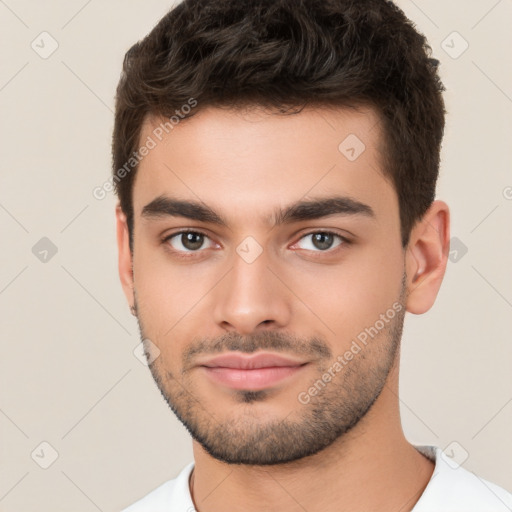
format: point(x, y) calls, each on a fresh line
point(266, 234)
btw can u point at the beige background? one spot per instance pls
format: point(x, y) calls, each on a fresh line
point(68, 373)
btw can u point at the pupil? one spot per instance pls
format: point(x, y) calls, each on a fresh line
point(322, 240)
point(192, 240)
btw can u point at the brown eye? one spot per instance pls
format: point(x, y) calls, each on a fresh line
point(187, 241)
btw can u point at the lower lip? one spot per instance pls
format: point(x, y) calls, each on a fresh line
point(256, 379)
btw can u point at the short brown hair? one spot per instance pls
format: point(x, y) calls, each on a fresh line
point(285, 54)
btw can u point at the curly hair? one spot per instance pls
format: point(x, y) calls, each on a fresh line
point(284, 55)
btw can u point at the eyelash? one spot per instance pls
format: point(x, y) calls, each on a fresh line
point(189, 254)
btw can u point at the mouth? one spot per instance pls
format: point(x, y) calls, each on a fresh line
point(254, 380)
point(253, 372)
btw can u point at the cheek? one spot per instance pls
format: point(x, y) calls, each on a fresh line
point(164, 281)
point(168, 294)
point(375, 286)
point(348, 297)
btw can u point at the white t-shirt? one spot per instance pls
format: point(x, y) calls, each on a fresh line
point(450, 489)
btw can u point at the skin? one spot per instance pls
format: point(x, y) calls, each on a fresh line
point(344, 450)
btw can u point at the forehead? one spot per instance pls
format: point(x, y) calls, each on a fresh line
point(252, 161)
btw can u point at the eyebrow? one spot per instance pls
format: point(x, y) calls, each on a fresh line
point(164, 206)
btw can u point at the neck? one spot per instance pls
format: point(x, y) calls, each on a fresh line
point(372, 467)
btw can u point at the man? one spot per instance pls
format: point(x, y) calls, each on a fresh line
point(276, 165)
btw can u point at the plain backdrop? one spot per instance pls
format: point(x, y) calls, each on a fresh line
point(69, 376)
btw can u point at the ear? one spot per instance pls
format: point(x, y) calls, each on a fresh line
point(125, 263)
point(426, 257)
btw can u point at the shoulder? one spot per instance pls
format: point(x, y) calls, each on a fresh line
point(175, 493)
point(454, 488)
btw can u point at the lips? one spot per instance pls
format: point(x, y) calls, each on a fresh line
point(254, 372)
point(252, 362)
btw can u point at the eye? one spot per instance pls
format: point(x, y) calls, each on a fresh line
point(187, 241)
point(322, 241)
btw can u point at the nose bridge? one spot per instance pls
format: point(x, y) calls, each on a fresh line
point(250, 294)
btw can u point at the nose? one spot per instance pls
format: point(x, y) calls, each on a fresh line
point(251, 297)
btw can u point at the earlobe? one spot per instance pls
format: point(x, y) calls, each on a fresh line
point(426, 257)
point(125, 263)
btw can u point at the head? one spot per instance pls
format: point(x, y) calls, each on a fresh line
point(298, 144)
